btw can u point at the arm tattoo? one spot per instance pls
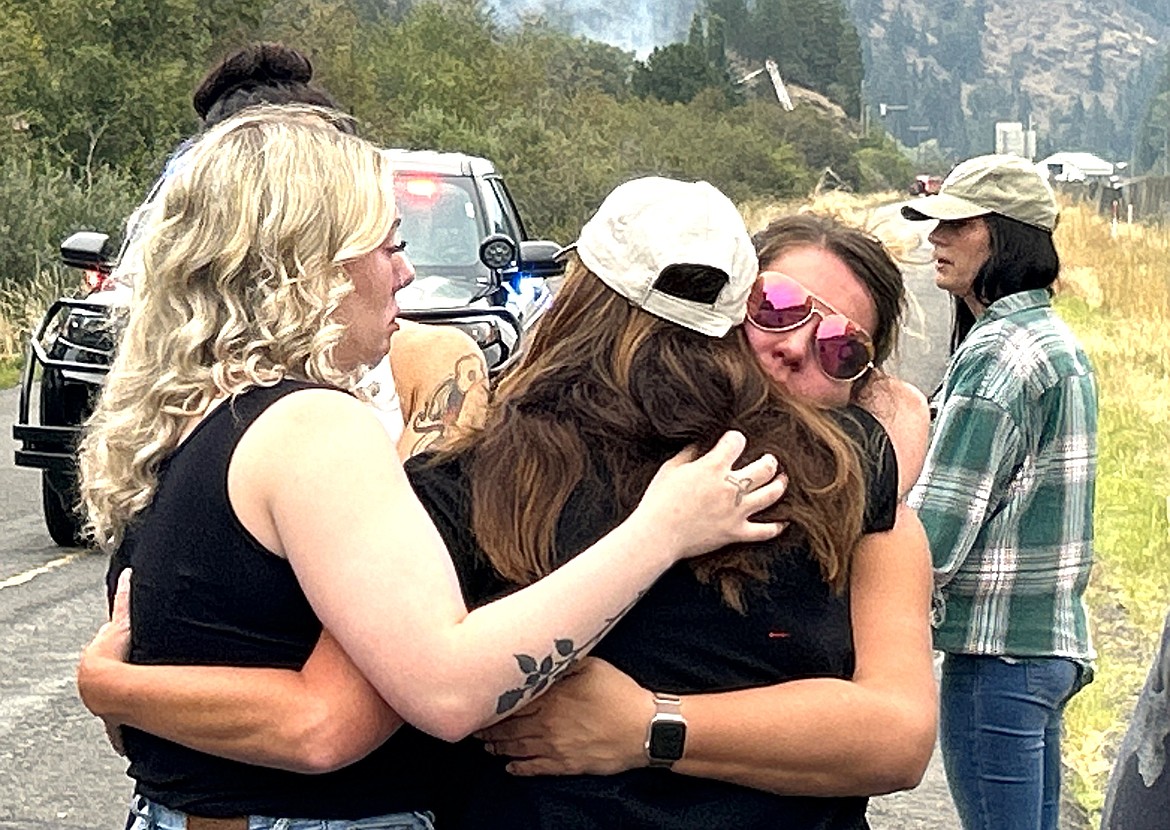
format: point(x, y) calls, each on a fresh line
point(444, 407)
point(565, 654)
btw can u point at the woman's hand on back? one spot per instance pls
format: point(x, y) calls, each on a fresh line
point(593, 722)
point(109, 647)
point(701, 503)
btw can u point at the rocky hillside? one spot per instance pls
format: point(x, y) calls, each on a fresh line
point(1081, 70)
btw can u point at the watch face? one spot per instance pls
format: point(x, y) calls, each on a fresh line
point(666, 740)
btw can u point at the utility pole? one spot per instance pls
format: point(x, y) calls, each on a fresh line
point(884, 109)
point(920, 131)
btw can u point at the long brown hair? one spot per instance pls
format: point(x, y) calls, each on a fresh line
point(609, 391)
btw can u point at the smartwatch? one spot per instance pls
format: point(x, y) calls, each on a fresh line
point(667, 734)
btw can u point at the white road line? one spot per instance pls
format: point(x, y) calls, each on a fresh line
point(33, 573)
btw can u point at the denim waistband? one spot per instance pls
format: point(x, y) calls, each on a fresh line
point(150, 815)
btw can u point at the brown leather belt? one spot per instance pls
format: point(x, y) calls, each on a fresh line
point(202, 823)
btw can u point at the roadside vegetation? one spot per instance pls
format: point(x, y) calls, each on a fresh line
point(1115, 294)
point(93, 101)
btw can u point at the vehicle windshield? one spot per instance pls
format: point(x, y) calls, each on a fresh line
point(442, 229)
point(439, 223)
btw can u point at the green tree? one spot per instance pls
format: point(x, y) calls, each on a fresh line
point(1152, 146)
point(676, 74)
point(109, 82)
point(104, 87)
point(736, 22)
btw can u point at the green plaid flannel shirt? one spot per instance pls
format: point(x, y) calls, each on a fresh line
point(1006, 493)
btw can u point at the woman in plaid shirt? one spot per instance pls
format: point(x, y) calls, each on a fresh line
point(1006, 496)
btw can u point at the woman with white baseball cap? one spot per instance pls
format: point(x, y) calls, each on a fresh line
point(779, 685)
point(790, 679)
point(1006, 496)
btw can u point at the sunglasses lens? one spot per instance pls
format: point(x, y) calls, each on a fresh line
point(778, 302)
point(843, 349)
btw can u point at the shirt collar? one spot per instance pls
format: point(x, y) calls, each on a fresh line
point(1015, 303)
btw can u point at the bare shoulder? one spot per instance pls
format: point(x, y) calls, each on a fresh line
point(424, 357)
point(315, 422)
point(443, 382)
point(415, 344)
point(894, 399)
point(904, 412)
point(312, 451)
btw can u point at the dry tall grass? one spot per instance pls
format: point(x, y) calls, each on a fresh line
point(1115, 294)
point(22, 304)
point(859, 211)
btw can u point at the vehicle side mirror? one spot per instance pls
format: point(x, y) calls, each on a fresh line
point(87, 250)
point(538, 258)
point(497, 252)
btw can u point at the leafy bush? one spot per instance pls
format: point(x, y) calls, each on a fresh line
point(41, 204)
point(882, 165)
point(557, 113)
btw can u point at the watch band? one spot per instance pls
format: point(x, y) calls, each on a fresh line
point(667, 732)
point(667, 704)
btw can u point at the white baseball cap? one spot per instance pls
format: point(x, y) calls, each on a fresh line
point(647, 225)
point(1008, 185)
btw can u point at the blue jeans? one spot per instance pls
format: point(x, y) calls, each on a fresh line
point(999, 728)
point(149, 815)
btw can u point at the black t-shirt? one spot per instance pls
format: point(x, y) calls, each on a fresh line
point(682, 638)
point(205, 592)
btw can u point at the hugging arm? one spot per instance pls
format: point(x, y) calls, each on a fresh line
point(411, 657)
point(825, 737)
point(314, 720)
point(361, 545)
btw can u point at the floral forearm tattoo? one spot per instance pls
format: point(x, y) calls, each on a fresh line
point(538, 675)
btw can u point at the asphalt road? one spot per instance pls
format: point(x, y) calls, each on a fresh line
point(56, 770)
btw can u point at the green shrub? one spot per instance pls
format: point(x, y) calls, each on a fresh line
point(41, 204)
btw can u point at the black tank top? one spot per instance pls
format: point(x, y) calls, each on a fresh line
point(205, 592)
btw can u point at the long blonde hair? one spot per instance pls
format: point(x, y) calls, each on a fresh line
point(238, 275)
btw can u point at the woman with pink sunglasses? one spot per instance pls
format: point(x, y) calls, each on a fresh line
point(822, 317)
point(825, 317)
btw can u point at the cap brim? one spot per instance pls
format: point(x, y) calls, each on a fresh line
point(942, 206)
point(565, 251)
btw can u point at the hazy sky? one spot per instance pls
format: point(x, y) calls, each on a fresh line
point(637, 25)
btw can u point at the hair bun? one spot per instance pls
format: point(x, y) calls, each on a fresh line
point(258, 64)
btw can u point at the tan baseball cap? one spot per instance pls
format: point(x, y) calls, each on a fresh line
point(647, 225)
point(1008, 185)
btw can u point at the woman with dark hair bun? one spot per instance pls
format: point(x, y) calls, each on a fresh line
point(260, 73)
point(426, 360)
